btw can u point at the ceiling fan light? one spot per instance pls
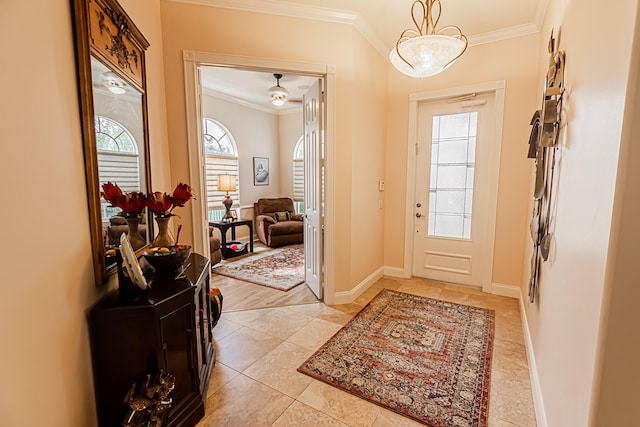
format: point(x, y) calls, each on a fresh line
point(114, 83)
point(278, 92)
point(116, 90)
point(426, 55)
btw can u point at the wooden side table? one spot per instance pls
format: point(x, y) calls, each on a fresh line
point(168, 328)
point(224, 226)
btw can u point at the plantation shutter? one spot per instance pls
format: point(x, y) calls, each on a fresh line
point(298, 180)
point(121, 169)
point(215, 166)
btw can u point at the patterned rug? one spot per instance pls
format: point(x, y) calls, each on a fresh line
point(281, 268)
point(427, 359)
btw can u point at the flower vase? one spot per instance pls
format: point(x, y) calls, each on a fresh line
point(136, 239)
point(164, 237)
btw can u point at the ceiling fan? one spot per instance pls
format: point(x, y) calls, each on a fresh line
point(112, 82)
point(279, 94)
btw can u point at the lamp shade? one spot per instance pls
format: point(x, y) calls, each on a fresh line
point(226, 183)
point(429, 55)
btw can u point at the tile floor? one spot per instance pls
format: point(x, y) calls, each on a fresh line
point(255, 383)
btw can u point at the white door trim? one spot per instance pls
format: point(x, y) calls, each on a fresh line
point(498, 87)
point(192, 60)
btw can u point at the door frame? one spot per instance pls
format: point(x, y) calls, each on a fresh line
point(192, 61)
point(497, 87)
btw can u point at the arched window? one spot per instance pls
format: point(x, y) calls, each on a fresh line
point(221, 158)
point(298, 175)
point(112, 136)
point(118, 159)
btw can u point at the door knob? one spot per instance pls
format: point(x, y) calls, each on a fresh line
point(418, 214)
point(418, 205)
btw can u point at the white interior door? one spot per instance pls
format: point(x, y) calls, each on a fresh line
point(313, 161)
point(452, 203)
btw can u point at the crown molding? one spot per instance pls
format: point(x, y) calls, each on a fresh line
point(290, 111)
point(248, 104)
point(503, 34)
point(541, 13)
point(242, 102)
point(372, 37)
point(275, 7)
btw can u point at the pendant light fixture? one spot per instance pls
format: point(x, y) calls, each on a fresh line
point(114, 83)
point(277, 93)
point(425, 51)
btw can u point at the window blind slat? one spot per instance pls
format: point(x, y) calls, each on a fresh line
point(215, 166)
point(298, 180)
point(120, 169)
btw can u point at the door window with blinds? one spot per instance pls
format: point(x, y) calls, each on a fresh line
point(118, 159)
point(221, 158)
point(453, 152)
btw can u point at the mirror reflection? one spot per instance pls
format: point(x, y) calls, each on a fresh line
point(110, 56)
point(120, 148)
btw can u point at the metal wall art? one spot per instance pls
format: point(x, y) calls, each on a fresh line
point(543, 145)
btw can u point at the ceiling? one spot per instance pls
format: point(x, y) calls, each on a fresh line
point(251, 87)
point(380, 22)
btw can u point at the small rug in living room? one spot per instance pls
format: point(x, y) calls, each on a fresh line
point(423, 358)
point(280, 268)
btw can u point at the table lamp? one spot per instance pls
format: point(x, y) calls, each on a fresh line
point(227, 183)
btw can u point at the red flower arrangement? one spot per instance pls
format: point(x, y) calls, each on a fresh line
point(133, 203)
point(162, 204)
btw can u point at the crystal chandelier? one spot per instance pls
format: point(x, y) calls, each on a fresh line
point(424, 52)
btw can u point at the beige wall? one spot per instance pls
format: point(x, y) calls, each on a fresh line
point(565, 322)
point(47, 270)
point(256, 135)
point(290, 131)
point(223, 31)
point(619, 376)
point(516, 62)
point(369, 119)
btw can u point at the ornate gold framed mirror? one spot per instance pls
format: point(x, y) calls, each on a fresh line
point(110, 59)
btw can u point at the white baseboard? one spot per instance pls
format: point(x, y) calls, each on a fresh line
point(538, 405)
point(395, 272)
point(511, 291)
point(349, 296)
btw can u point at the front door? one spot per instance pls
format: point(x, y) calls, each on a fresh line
point(452, 207)
point(313, 164)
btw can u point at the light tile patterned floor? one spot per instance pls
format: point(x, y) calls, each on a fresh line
point(255, 382)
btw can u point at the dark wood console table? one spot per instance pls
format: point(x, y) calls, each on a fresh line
point(224, 226)
point(168, 327)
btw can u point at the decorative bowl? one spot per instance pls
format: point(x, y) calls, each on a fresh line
point(167, 259)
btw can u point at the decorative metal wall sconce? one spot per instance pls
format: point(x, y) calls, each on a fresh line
point(543, 145)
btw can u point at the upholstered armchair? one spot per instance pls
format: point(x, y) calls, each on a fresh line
point(277, 224)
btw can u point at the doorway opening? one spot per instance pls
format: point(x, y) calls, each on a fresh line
point(238, 96)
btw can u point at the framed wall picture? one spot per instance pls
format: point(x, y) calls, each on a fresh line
point(260, 171)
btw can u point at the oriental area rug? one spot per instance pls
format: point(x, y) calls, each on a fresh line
point(420, 357)
point(280, 268)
